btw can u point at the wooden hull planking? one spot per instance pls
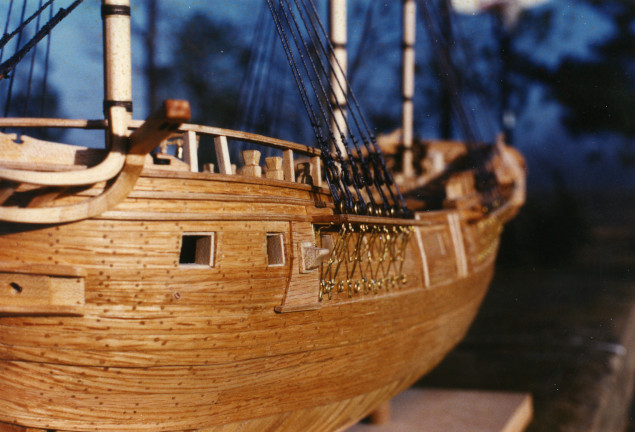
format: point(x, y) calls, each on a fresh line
point(163, 346)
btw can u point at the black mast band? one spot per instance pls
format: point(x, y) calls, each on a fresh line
point(108, 9)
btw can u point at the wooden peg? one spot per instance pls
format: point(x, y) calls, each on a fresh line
point(274, 168)
point(252, 160)
point(381, 415)
point(251, 157)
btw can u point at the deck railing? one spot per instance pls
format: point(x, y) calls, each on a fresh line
point(279, 168)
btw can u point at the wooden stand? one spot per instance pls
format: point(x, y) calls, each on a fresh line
point(455, 411)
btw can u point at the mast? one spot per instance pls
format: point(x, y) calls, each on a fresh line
point(117, 57)
point(408, 83)
point(338, 35)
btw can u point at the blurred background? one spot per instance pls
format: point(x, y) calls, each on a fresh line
point(557, 76)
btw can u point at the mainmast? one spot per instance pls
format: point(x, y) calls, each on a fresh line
point(338, 36)
point(408, 84)
point(117, 57)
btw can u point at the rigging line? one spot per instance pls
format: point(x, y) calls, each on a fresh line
point(30, 80)
point(7, 104)
point(451, 81)
point(358, 151)
point(10, 64)
point(471, 77)
point(483, 159)
point(449, 76)
point(344, 177)
point(46, 66)
point(7, 37)
point(368, 139)
point(261, 78)
point(245, 91)
point(330, 169)
point(344, 159)
point(469, 124)
point(322, 87)
point(377, 156)
point(353, 113)
point(6, 28)
point(484, 176)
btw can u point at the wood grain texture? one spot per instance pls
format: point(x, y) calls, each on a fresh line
point(186, 341)
point(167, 344)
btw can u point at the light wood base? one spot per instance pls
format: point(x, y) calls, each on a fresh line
point(455, 411)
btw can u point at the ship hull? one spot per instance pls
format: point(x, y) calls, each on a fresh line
point(158, 345)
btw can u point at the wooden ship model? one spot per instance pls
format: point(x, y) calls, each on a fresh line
point(142, 293)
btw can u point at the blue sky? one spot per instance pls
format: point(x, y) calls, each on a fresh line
point(76, 69)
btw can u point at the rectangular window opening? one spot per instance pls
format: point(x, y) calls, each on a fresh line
point(197, 249)
point(275, 249)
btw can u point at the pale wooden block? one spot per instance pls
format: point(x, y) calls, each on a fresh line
point(273, 163)
point(381, 415)
point(275, 174)
point(251, 157)
point(40, 293)
point(252, 170)
point(311, 257)
point(455, 411)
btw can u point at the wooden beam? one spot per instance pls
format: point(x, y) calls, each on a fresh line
point(159, 126)
point(28, 122)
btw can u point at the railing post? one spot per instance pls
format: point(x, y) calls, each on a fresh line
point(316, 171)
point(190, 150)
point(288, 165)
point(222, 155)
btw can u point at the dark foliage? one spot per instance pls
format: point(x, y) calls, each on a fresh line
point(598, 92)
point(208, 65)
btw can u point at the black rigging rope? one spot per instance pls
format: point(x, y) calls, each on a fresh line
point(6, 37)
point(32, 67)
point(6, 29)
point(353, 184)
point(382, 176)
point(7, 105)
point(10, 64)
point(329, 164)
point(319, 89)
point(46, 65)
point(485, 178)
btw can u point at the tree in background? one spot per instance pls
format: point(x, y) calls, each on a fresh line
point(598, 92)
